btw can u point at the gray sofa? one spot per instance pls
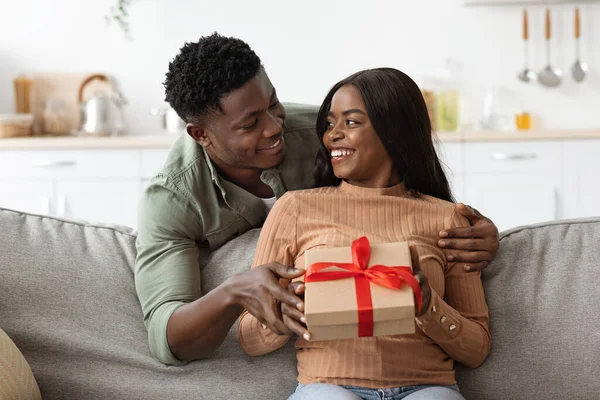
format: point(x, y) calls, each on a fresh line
point(67, 299)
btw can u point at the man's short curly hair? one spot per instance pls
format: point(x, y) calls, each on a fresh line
point(205, 71)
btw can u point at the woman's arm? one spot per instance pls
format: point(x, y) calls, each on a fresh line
point(459, 323)
point(277, 243)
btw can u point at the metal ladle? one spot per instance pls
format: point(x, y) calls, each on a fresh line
point(549, 76)
point(579, 69)
point(526, 75)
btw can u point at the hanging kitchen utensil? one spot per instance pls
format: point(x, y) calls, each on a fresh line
point(549, 76)
point(579, 69)
point(526, 75)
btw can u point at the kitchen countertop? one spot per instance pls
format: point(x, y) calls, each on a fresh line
point(165, 141)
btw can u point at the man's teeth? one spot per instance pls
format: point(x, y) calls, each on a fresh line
point(275, 144)
point(341, 152)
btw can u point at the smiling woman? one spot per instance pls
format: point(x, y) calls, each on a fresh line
point(370, 129)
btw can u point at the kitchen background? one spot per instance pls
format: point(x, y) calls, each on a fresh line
point(477, 51)
point(308, 47)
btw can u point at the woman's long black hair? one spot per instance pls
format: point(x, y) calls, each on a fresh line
point(398, 113)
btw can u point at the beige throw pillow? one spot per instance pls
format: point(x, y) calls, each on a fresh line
point(16, 379)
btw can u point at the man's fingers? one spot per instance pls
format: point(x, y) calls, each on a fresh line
point(297, 288)
point(469, 212)
point(414, 257)
point(470, 257)
point(296, 328)
point(469, 244)
point(473, 267)
point(284, 271)
point(285, 296)
point(292, 312)
point(278, 326)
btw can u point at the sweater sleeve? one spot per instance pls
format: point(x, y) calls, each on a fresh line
point(277, 243)
point(459, 322)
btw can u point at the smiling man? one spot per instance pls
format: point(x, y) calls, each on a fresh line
point(240, 154)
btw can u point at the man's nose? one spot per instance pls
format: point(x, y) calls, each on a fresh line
point(274, 126)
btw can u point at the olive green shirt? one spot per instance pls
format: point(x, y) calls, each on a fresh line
point(188, 208)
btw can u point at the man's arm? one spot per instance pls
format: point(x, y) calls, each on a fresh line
point(480, 240)
point(182, 324)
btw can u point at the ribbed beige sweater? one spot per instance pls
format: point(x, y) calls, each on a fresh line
point(455, 327)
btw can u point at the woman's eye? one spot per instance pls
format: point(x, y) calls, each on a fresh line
point(351, 122)
point(329, 124)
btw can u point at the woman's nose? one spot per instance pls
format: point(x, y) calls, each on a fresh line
point(335, 133)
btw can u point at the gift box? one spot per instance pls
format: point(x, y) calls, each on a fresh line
point(360, 291)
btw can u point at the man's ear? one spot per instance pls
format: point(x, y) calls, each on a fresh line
point(199, 134)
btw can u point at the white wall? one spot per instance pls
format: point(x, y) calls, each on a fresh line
point(305, 48)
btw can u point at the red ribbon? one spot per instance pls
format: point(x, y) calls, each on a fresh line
point(390, 277)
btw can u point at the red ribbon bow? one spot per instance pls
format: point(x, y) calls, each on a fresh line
point(390, 277)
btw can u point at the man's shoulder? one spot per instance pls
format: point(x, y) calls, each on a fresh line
point(300, 116)
point(185, 170)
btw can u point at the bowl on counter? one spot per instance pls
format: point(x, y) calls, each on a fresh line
point(15, 125)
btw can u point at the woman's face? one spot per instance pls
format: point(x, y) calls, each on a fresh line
point(357, 154)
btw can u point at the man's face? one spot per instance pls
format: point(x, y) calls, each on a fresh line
point(249, 132)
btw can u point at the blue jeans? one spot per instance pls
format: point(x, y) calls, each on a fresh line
point(322, 391)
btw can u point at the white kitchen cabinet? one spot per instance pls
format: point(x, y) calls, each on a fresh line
point(512, 200)
point(581, 175)
point(514, 183)
point(113, 201)
point(29, 196)
point(95, 185)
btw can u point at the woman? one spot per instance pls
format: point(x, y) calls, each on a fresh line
point(377, 175)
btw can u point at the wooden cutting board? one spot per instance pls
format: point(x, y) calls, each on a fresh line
point(54, 102)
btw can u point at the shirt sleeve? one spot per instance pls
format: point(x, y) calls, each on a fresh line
point(167, 274)
point(277, 243)
point(459, 322)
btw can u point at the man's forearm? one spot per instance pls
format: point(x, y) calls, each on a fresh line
point(197, 329)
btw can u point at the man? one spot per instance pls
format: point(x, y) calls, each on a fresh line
point(218, 182)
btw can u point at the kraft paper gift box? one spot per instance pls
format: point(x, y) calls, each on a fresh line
point(332, 305)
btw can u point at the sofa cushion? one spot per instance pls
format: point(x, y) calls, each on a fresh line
point(543, 297)
point(68, 301)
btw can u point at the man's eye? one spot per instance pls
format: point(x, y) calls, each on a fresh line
point(250, 127)
point(274, 105)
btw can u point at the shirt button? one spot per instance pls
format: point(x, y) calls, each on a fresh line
point(443, 319)
point(452, 327)
point(433, 309)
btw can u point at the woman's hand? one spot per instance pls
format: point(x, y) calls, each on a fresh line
point(423, 283)
point(293, 318)
point(480, 240)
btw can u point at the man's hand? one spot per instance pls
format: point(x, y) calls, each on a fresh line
point(292, 317)
point(423, 283)
point(480, 240)
point(260, 292)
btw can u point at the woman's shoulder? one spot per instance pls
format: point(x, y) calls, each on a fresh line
point(445, 210)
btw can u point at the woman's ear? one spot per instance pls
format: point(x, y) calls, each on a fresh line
point(199, 134)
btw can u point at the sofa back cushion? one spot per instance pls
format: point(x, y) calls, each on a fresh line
point(68, 301)
point(543, 294)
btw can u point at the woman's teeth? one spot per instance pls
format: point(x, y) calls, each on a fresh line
point(341, 152)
